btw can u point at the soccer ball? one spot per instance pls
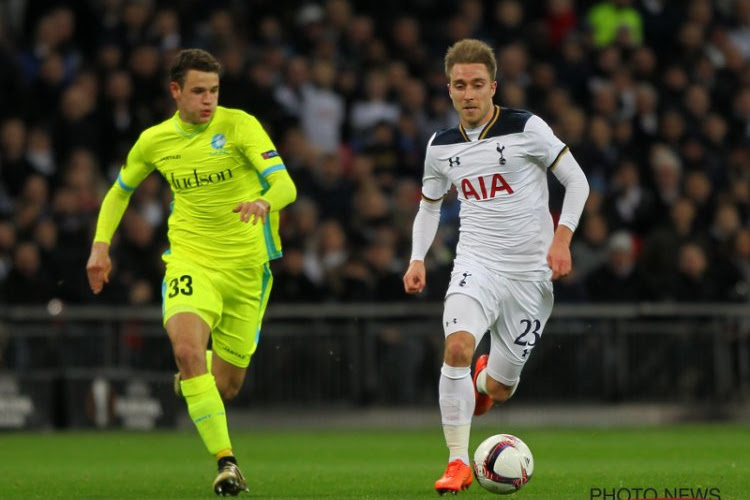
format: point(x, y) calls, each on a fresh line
point(503, 464)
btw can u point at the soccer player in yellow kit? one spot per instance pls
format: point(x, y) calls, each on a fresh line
point(229, 184)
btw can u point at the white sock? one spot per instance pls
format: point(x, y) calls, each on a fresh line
point(482, 382)
point(456, 409)
point(457, 439)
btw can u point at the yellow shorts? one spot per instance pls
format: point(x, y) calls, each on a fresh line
point(232, 303)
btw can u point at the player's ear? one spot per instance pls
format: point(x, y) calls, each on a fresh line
point(494, 87)
point(449, 89)
point(174, 89)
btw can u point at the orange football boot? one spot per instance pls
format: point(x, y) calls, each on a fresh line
point(458, 476)
point(482, 402)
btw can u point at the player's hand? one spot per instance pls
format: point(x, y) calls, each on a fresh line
point(98, 266)
point(254, 210)
point(415, 278)
point(558, 256)
point(559, 260)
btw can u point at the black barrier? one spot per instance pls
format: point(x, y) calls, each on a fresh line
point(119, 399)
point(27, 401)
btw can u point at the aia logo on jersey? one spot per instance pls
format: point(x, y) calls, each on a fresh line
point(485, 187)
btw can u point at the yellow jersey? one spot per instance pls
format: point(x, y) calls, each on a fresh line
point(211, 168)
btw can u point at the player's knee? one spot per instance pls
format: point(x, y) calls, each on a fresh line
point(459, 349)
point(189, 357)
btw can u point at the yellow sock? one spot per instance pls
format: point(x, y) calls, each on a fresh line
point(209, 360)
point(224, 453)
point(206, 409)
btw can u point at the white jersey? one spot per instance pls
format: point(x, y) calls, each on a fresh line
point(501, 179)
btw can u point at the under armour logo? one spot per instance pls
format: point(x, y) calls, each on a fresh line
point(455, 321)
point(500, 150)
point(463, 281)
point(454, 161)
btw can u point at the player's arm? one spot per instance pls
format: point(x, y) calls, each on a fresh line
point(113, 207)
point(260, 151)
point(569, 173)
point(423, 233)
point(280, 193)
point(426, 222)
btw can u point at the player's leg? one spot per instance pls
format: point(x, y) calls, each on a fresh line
point(189, 334)
point(177, 388)
point(236, 335)
point(489, 390)
point(229, 478)
point(192, 306)
point(229, 378)
point(235, 339)
point(526, 307)
point(464, 322)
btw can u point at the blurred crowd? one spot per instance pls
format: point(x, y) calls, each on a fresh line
point(651, 96)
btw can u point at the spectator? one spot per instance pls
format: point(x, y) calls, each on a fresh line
point(666, 176)
point(373, 107)
point(662, 243)
point(7, 243)
point(322, 111)
point(289, 93)
point(385, 271)
point(660, 84)
point(618, 279)
point(697, 279)
point(76, 124)
point(327, 255)
point(615, 21)
point(406, 43)
point(28, 282)
point(589, 251)
point(629, 206)
point(560, 19)
point(698, 188)
point(290, 283)
point(39, 152)
point(508, 22)
point(14, 167)
point(740, 259)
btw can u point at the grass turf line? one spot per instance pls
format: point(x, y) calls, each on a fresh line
point(368, 464)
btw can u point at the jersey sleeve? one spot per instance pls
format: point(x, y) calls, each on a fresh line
point(255, 144)
point(546, 148)
point(115, 202)
point(434, 183)
point(280, 190)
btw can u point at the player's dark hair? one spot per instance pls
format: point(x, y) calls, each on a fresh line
point(470, 51)
point(187, 59)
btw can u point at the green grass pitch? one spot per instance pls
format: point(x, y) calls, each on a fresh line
point(372, 464)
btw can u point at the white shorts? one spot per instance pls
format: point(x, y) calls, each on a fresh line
point(513, 311)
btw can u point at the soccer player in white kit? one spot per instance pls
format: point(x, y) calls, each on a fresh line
point(508, 250)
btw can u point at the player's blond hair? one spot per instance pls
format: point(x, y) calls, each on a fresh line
point(470, 51)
